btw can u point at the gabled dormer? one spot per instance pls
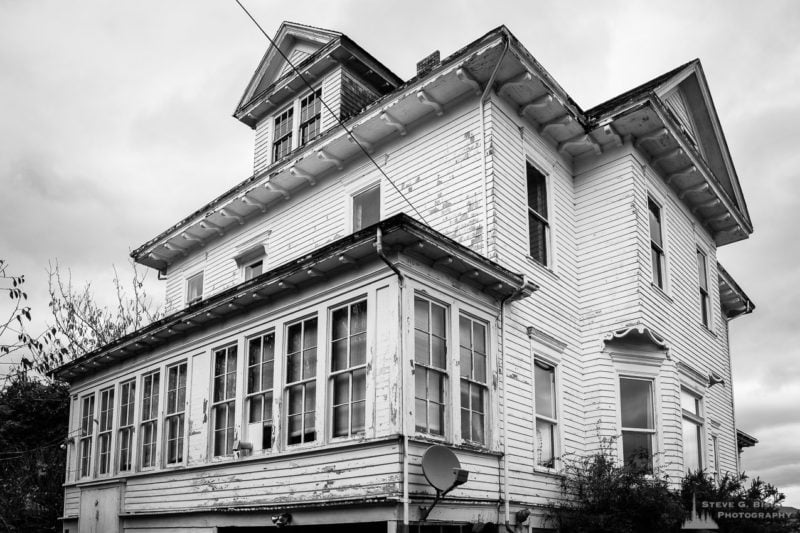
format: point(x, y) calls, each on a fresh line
point(673, 123)
point(288, 108)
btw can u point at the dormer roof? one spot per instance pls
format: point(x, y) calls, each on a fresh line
point(313, 51)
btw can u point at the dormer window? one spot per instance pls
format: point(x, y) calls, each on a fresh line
point(282, 143)
point(297, 125)
point(310, 116)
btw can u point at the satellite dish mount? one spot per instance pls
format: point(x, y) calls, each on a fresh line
point(444, 473)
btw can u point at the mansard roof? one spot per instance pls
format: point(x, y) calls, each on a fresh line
point(399, 235)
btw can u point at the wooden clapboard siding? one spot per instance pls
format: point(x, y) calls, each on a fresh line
point(263, 145)
point(332, 96)
point(552, 309)
point(355, 95)
point(484, 474)
point(368, 470)
point(676, 102)
point(72, 501)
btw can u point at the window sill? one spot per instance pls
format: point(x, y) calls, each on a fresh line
point(662, 293)
point(708, 331)
point(553, 472)
point(544, 269)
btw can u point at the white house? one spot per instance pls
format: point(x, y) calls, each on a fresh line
point(466, 258)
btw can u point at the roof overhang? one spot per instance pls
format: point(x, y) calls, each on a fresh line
point(732, 298)
point(400, 235)
point(743, 440)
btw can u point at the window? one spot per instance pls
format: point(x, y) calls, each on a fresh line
point(430, 369)
point(301, 387)
point(638, 428)
point(194, 288)
point(366, 208)
point(692, 432)
point(253, 269)
point(260, 385)
point(349, 368)
point(127, 399)
point(702, 273)
point(282, 135)
point(87, 430)
point(656, 243)
point(715, 447)
point(105, 431)
point(538, 225)
point(310, 113)
point(176, 408)
point(474, 388)
point(223, 410)
point(546, 418)
point(149, 417)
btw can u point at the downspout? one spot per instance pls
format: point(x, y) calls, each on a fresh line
point(485, 195)
point(515, 295)
point(401, 410)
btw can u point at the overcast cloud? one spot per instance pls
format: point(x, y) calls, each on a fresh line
point(115, 122)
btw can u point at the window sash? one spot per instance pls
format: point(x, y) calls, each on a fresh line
point(127, 401)
point(538, 224)
point(105, 431)
point(473, 348)
point(310, 116)
point(692, 445)
point(348, 376)
point(282, 137)
point(260, 385)
point(301, 374)
point(656, 243)
point(366, 208)
point(223, 408)
point(253, 270)
point(176, 408)
point(87, 432)
point(638, 423)
point(545, 442)
point(149, 419)
point(702, 274)
point(430, 365)
point(194, 288)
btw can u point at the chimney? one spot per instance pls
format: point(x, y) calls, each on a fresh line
point(428, 64)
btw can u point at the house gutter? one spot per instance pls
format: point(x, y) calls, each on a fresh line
point(512, 297)
point(481, 108)
point(401, 410)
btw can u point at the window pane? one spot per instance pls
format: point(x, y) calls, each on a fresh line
point(366, 208)
point(436, 418)
point(637, 450)
point(545, 443)
point(339, 319)
point(420, 415)
point(655, 222)
point(339, 354)
point(537, 191)
point(421, 347)
point(255, 409)
point(359, 385)
point(438, 320)
point(358, 318)
point(341, 389)
point(691, 446)
point(358, 417)
point(636, 403)
point(438, 352)
point(465, 362)
point(689, 402)
point(479, 372)
point(701, 270)
point(341, 421)
point(544, 383)
point(358, 349)
point(537, 244)
point(421, 314)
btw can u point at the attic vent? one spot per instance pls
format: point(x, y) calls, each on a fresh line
point(428, 64)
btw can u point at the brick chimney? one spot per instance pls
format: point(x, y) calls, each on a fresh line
point(427, 64)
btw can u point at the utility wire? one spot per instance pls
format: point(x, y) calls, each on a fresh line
point(334, 115)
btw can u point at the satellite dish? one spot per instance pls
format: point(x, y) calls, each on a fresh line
point(443, 471)
point(441, 468)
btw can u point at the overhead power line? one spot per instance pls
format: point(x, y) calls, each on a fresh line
point(334, 115)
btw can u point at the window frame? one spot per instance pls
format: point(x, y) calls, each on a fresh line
point(553, 421)
point(105, 428)
point(189, 279)
point(303, 382)
point(248, 268)
point(653, 388)
point(228, 402)
point(179, 413)
point(86, 430)
point(471, 381)
point(697, 420)
point(262, 392)
point(295, 134)
point(533, 215)
point(152, 420)
point(129, 428)
point(704, 292)
point(444, 373)
point(657, 278)
point(349, 370)
point(352, 205)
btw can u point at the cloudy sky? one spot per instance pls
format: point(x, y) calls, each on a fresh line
point(115, 122)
